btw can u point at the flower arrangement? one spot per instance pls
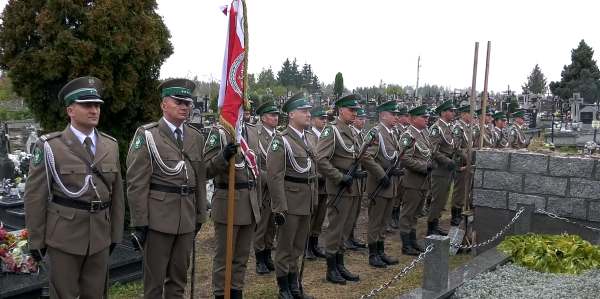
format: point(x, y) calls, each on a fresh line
point(549, 146)
point(14, 253)
point(21, 161)
point(591, 146)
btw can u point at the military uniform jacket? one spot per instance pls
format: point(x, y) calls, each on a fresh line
point(290, 158)
point(415, 158)
point(264, 141)
point(516, 136)
point(314, 139)
point(464, 145)
point(488, 137)
point(67, 229)
point(336, 150)
point(247, 203)
point(378, 158)
point(443, 138)
point(153, 158)
point(500, 139)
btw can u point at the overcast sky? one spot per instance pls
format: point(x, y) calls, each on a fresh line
point(375, 40)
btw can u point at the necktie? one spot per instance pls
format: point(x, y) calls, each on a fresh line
point(304, 138)
point(88, 147)
point(179, 140)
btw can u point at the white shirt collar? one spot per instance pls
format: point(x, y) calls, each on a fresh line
point(445, 123)
point(173, 127)
point(317, 132)
point(301, 134)
point(268, 131)
point(355, 129)
point(466, 124)
point(82, 136)
point(388, 129)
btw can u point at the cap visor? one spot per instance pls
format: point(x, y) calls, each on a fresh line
point(96, 100)
point(180, 98)
point(352, 107)
point(307, 106)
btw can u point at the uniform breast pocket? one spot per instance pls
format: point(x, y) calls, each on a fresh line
point(170, 159)
point(195, 160)
point(109, 170)
point(59, 222)
point(73, 175)
point(301, 158)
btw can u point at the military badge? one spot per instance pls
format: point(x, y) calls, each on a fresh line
point(37, 156)
point(137, 143)
point(326, 132)
point(405, 141)
point(434, 132)
point(456, 131)
point(275, 145)
point(212, 140)
point(513, 132)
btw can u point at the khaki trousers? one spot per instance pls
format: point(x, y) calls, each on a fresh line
point(265, 230)
point(317, 223)
point(72, 275)
point(242, 237)
point(379, 217)
point(340, 224)
point(412, 204)
point(398, 198)
point(459, 194)
point(291, 239)
point(168, 260)
point(440, 190)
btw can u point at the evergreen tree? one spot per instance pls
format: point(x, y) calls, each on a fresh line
point(45, 44)
point(536, 82)
point(285, 75)
point(338, 85)
point(581, 76)
point(295, 76)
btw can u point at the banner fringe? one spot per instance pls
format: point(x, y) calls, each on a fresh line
point(246, 50)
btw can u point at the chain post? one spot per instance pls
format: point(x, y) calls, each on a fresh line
point(525, 222)
point(436, 266)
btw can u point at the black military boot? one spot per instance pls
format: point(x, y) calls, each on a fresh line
point(456, 217)
point(394, 219)
point(412, 236)
point(295, 287)
point(309, 251)
point(260, 263)
point(374, 259)
point(407, 248)
point(437, 230)
point(347, 275)
point(356, 242)
point(268, 260)
point(317, 251)
point(350, 246)
point(284, 288)
point(333, 275)
point(383, 256)
point(236, 294)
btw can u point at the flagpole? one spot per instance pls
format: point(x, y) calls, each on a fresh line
point(484, 99)
point(467, 175)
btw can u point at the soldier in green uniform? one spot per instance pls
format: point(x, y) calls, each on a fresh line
point(319, 120)
point(418, 163)
point(401, 126)
point(381, 156)
point(73, 210)
point(358, 125)
point(488, 136)
point(336, 150)
point(499, 120)
point(265, 228)
point(516, 132)
point(443, 139)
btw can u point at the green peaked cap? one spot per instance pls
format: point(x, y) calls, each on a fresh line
point(465, 108)
point(82, 90)
point(179, 89)
point(267, 107)
point(318, 111)
point(403, 110)
point(499, 115)
point(488, 111)
point(420, 110)
point(520, 113)
point(350, 101)
point(444, 106)
point(391, 106)
point(297, 101)
point(361, 112)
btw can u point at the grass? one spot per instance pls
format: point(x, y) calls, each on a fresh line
point(264, 287)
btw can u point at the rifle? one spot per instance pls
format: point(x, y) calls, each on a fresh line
point(455, 157)
point(352, 170)
point(529, 141)
point(389, 169)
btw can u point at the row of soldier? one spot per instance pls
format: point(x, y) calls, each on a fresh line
point(75, 207)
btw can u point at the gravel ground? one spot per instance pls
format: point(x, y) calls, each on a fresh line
point(512, 281)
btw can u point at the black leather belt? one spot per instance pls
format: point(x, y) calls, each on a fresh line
point(238, 186)
point(183, 190)
point(86, 206)
point(298, 180)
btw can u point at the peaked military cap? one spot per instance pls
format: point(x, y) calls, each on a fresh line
point(297, 101)
point(179, 89)
point(82, 90)
point(349, 101)
point(391, 106)
point(403, 110)
point(465, 108)
point(488, 111)
point(444, 106)
point(318, 111)
point(520, 113)
point(361, 112)
point(267, 107)
point(419, 111)
point(499, 115)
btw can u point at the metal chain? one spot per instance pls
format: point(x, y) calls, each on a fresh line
point(567, 220)
point(412, 265)
point(500, 233)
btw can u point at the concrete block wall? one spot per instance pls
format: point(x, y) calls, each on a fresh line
point(566, 185)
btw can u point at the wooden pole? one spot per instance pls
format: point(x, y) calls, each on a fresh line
point(485, 94)
point(467, 175)
point(230, 211)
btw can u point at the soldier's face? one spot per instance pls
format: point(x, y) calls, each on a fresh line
point(501, 123)
point(420, 121)
point(519, 120)
point(319, 122)
point(447, 115)
point(465, 116)
point(246, 116)
point(359, 122)
point(488, 119)
point(300, 117)
point(85, 115)
point(270, 120)
point(347, 115)
point(403, 119)
point(175, 110)
point(388, 119)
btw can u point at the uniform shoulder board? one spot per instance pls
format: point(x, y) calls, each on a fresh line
point(49, 136)
point(251, 125)
point(150, 125)
point(333, 122)
point(108, 136)
point(193, 128)
point(309, 132)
